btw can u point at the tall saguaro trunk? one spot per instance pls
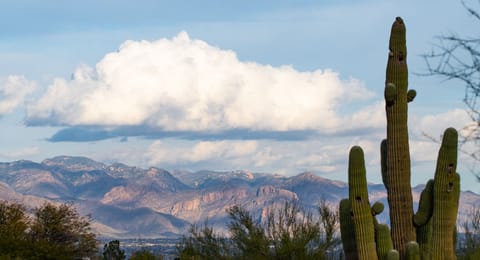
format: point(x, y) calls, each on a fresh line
point(398, 154)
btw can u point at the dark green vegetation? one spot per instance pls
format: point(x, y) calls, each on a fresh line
point(144, 255)
point(286, 232)
point(53, 232)
point(289, 232)
point(428, 234)
point(112, 250)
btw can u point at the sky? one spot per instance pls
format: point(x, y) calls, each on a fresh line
point(279, 87)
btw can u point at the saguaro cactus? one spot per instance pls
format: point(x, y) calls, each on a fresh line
point(446, 192)
point(397, 178)
point(363, 237)
point(427, 234)
point(361, 211)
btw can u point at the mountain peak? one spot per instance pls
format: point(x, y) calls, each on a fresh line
point(245, 174)
point(312, 177)
point(74, 163)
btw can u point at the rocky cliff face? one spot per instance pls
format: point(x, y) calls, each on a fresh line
point(126, 201)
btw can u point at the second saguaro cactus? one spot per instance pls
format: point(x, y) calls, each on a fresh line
point(361, 211)
point(428, 234)
point(363, 237)
point(446, 193)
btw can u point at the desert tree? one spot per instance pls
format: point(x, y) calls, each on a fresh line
point(59, 232)
point(296, 233)
point(13, 230)
point(202, 242)
point(247, 234)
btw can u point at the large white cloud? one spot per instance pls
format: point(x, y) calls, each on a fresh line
point(182, 84)
point(13, 91)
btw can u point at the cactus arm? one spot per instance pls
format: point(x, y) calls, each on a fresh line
point(358, 196)
point(347, 230)
point(425, 206)
point(411, 94)
point(455, 233)
point(424, 237)
point(377, 208)
point(446, 191)
point(390, 94)
point(422, 220)
point(393, 255)
point(383, 162)
point(413, 251)
point(383, 240)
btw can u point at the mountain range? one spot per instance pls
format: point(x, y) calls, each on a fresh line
point(130, 202)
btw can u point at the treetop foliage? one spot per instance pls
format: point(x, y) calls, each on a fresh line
point(53, 232)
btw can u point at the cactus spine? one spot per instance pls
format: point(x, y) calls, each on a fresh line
point(428, 233)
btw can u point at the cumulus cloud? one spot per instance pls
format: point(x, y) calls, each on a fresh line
point(13, 91)
point(287, 158)
point(182, 84)
point(317, 162)
point(435, 125)
point(372, 116)
point(423, 151)
point(428, 127)
point(266, 157)
point(159, 153)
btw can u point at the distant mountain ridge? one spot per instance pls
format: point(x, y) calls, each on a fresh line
point(131, 202)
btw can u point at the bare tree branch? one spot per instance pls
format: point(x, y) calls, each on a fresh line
point(457, 57)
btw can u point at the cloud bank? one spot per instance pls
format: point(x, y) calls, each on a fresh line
point(13, 91)
point(257, 155)
point(201, 151)
point(186, 85)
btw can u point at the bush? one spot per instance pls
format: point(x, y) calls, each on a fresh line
point(144, 255)
point(249, 238)
point(112, 251)
point(289, 232)
point(296, 234)
point(203, 243)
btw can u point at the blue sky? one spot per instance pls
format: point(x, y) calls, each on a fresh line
point(275, 86)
